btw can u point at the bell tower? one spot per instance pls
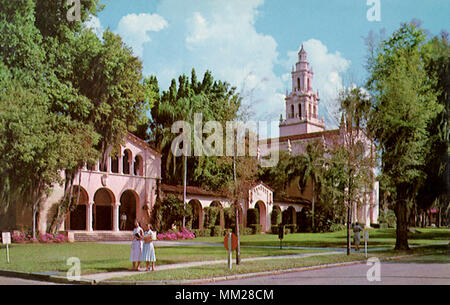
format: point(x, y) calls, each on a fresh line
point(302, 102)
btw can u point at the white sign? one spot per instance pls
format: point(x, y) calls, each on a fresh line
point(6, 238)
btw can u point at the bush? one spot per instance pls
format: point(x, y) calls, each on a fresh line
point(252, 217)
point(216, 231)
point(256, 229)
point(229, 218)
point(173, 235)
point(337, 227)
point(291, 228)
point(275, 217)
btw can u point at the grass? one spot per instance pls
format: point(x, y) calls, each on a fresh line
point(377, 238)
point(100, 257)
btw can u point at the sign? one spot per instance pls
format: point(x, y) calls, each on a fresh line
point(234, 242)
point(6, 238)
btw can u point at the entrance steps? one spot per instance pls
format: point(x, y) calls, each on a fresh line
point(94, 236)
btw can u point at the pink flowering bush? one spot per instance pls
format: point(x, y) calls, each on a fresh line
point(22, 238)
point(183, 234)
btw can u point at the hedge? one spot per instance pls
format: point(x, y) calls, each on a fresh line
point(252, 217)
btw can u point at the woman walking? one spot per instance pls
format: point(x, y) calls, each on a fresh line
point(136, 246)
point(148, 250)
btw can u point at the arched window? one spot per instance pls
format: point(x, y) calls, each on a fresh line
point(298, 83)
point(138, 166)
point(126, 160)
point(299, 110)
point(292, 111)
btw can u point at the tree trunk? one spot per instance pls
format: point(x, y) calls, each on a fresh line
point(349, 216)
point(401, 212)
point(238, 249)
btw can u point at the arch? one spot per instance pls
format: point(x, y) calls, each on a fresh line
point(138, 166)
point(261, 206)
point(298, 83)
point(292, 111)
point(127, 159)
point(197, 214)
point(221, 220)
point(299, 110)
point(103, 209)
point(77, 217)
point(129, 201)
point(291, 215)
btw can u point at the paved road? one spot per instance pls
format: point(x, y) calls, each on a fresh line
point(16, 281)
point(390, 274)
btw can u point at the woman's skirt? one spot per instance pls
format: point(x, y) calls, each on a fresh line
point(148, 253)
point(136, 251)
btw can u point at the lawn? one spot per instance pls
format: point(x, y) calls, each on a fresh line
point(101, 257)
point(377, 238)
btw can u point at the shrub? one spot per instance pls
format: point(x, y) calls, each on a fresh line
point(291, 228)
point(337, 227)
point(256, 229)
point(229, 218)
point(252, 217)
point(216, 231)
point(170, 235)
point(212, 216)
point(275, 217)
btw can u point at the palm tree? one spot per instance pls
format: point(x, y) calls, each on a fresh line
point(309, 167)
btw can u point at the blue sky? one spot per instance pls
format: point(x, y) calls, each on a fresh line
point(252, 44)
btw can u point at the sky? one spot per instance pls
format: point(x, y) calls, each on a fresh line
point(253, 44)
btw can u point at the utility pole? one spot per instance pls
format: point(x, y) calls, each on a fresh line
point(238, 248)
point(184, 189)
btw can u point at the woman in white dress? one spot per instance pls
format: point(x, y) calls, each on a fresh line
point(148, 250)
point(136, 246)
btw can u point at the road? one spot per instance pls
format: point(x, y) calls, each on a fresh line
point(389, 274)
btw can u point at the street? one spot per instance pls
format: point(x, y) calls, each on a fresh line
point(389, 274)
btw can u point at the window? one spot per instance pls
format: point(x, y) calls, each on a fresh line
point(298, 83)
point(138, 166)
point(126, 160)
point(292, 111)
point(299, 110)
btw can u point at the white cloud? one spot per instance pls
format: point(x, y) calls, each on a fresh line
point(95, 25)
point(328, 69)
point(134, 29)
point(224, 40)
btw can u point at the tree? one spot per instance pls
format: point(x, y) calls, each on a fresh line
point(404, 103)
point(309, 167)
point(354, 158)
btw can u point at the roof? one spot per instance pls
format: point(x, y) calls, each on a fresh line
point(312, 135)
point(190, 190)
point(291, 200)
point(136, 140)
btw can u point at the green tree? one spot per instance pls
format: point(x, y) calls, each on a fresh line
point(404, 105)
point(309, 167)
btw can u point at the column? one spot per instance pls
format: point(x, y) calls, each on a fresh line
point(116, 206)
point(89, 217)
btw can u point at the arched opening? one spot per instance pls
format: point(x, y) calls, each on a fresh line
point(292, 111)
point(128, 203)
point(126, 161)
point(289, 216)
point(298, 83)
point(262, 214)
point(103, 209)
point(299, 110)
point(77, 217)
point(220, 221)
point(138, 166)
point(197, 214)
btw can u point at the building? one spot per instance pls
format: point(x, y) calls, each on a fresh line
point(301, 126)
point(126, 186)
